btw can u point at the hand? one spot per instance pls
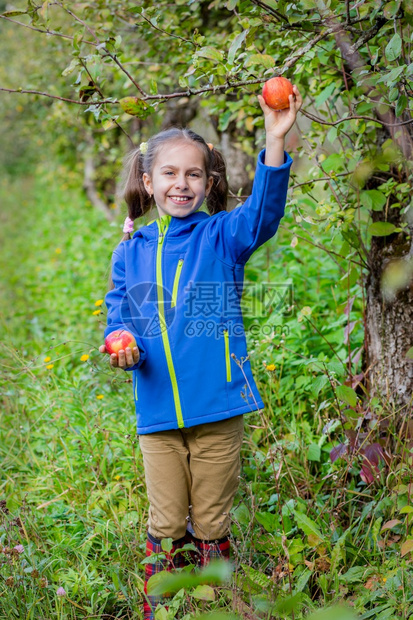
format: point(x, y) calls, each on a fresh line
point(124, 359)
point(279, 122)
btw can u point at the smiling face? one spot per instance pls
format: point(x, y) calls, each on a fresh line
point(178, 181)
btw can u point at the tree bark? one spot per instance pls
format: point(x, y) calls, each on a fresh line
point(389, 312)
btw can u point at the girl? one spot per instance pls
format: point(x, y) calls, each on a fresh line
point(177, 287)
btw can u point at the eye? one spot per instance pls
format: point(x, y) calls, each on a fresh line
point(168, 172)
point(194, 174)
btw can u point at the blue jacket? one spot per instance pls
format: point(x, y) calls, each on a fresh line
point(178, 284)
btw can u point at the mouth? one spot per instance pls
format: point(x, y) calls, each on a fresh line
point(180, 200)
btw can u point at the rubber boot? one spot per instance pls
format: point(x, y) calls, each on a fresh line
point(153, 545)
point(211, 550)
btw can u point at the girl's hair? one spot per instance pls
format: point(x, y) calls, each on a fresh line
point(136, 163)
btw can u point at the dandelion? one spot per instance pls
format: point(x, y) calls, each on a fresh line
point(95, 312)
point(47, 359)
point(84, 357)
point(58, 251)
point(49, 366)
point(271, 367)
point(99, 396)
point(117, 477)
point(61, 591)
point(19, 548)
point(99, 302)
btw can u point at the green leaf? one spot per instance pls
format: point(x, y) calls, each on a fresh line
point(235, 45)
point(347, 395)
point(381, 229)
point(135, 106)
point(338, 553)
point(264, 60)
point(73, 64)
point(204, 593)
point(314, 452)
point(401, 104)
point(268, 520)
point(210, 52)
point(355, 573)
point(318, 384)
point(373, 199)
point(409, 353)
point(394, 47)
point(167, 544)
point(325, 94)
point(14, 13)
point(308, 526)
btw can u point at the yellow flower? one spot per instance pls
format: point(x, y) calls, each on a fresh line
point(99, 396)
point(58, 251)
point(95, 312)
point(99, 302)
point(271, 367)
point(117, 477)
point(47, 359)
point(84, 357)
point(50, 366)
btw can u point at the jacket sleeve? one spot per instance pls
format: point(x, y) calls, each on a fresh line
point(234, 236)
point(117, 304)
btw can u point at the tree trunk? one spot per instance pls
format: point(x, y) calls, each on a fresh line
point(389, 303)
point(389, 321)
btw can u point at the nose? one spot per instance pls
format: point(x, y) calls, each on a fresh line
point(181, 181)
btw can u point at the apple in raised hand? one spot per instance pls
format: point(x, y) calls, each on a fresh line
point(276, 92)
point(119, 339)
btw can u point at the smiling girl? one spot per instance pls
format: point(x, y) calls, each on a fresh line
point(177, 288)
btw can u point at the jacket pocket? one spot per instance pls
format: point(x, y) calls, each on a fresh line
point(176, 282)
point(135, 385)
point(227, 356)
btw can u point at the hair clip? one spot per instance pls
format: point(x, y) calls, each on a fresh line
point(128, 225)
point(210, 145)
point(143, 147)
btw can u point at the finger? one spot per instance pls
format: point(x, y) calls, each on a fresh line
point(136, 354)
point(129, 356)
point(121, 359)
point(298, 98)
point(264, 107)
point(114, 360)
point(102, 348)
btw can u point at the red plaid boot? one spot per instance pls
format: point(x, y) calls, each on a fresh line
point(211, 550)
point(153, 545)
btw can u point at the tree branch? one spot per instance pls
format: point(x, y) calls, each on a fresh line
point(49, 32)
point(38, 92)
point(355, 117)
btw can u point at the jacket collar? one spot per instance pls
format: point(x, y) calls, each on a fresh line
point(173, 226)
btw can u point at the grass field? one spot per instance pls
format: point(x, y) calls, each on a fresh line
point(308, 533)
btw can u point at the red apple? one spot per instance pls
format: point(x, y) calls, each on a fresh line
point(276, 91)
point(119, 339)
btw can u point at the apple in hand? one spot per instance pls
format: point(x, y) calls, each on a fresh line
point(276, 91)
point(119, 339)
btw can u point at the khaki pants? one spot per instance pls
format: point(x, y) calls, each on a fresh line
point(192, 473)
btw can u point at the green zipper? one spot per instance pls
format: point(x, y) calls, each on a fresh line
point(163, 224)
point(176, 282)
point(227, 358)
point(135, 378)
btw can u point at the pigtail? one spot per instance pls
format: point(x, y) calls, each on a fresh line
point(218, 196)
point(134, 193)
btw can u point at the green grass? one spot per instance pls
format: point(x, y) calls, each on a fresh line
point(308, 533)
